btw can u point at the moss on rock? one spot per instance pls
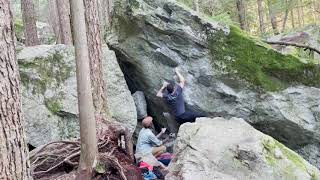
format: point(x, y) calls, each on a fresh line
point(44, 72)
point(289, 161)
point(258, 63)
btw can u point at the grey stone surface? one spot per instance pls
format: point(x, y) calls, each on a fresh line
point(141, 104)
point(164, 35)
point(49, 96)
point(231, 149)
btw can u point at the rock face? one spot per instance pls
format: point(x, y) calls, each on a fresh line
point(228, 73)
point(231, 149)
point(49, 96)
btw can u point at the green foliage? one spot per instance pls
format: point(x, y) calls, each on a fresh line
point(18, 29)
point(258, 63)
point(53, 105)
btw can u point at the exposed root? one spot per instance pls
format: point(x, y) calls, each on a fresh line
point(60, 159)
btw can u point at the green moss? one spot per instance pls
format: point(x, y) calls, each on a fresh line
point(18, 29)
point(42, 73)
point(53, 105)
point(258, 63)
point(288, 168)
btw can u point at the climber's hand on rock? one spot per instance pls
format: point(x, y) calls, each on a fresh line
point(163, 130)
point(165, 84)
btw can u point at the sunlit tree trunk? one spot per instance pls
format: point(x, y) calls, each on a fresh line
point(285, 18)
point(63, 7)
point(85, 102)
point(195, 5)
point(241, 14)
point(273, 18)
point(292, 19)
point(14, 164)
point(95, 55)
point(261, 19)
point(29, 23)
point(302, 11)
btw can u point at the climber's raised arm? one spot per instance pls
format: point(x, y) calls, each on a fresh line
point(160, 92)
point(181, 78)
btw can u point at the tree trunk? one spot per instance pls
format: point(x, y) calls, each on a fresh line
point(63, 7)
point(53, 19)
point(299, 14)
point(14, 163)
point(29, 23)
point(85, 104)
point(261, 19)
point(241, 14)
point(302, 12)
point(285, 18)
point(95, 55)
point(196, 5)
point(273, 17)
point(292, 19)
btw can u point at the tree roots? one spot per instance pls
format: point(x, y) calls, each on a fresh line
point(60, 159)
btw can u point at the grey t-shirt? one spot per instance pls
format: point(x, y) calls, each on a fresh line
point(146, 140)
point(175, 101)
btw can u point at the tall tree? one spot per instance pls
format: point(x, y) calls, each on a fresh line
point(241, 14)
point(285, 18)
point(85, 104)
point(95, 55)
point(272, 15)
point(196, 5)
point(53, 19)
point(13, 148)
point(63, 7)
point(292, 19)
point(29, 23)
point(261, 19)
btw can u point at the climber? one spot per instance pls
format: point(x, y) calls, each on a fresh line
point(172, 94)
point(149, 143)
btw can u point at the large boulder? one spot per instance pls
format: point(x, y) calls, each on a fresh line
point(49, 95)
point(219, 148)
point(228, 73)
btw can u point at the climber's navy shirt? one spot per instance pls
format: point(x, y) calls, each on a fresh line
point(175, 101)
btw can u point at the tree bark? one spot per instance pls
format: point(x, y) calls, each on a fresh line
point(53, 19)
point(196, 5)
point(285, 18)
point(299, 14)
point(85, 103)
point(29, 23)
point(63, 7)
point(302, 12)
point(14, 163)
point(292, 19)
point(241, 14)
point(261, 19)
point(273, 17)
point(95, 55)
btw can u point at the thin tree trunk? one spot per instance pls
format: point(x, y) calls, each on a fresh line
point(302, 12)
point(299, 14)
point(195, 5)
point(285, 18)
point(29, 23)
point(85, 103)
point(292, 19)
point(95, 55)
point(14, 162)
point(63, 7)
point(273, 17)
point(53, 19)
point(241, 14)
point(261, 19)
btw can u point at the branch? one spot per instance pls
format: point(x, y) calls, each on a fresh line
point(293, 44)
